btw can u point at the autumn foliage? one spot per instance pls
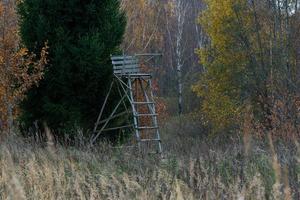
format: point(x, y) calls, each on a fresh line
point(19, 69)
point(250, 59)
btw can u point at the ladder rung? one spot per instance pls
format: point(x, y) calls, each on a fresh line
point(147, 127)
point(150, 140)
point(145, 115)
point(143, 103)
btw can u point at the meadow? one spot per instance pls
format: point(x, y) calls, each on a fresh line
point(194, 166)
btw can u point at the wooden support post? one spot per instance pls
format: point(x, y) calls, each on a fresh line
point(103, 106)
point(110, 117)
point(130, 84)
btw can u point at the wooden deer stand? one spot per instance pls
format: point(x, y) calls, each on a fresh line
point(135, 91)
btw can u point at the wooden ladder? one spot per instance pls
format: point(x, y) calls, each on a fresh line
point(143, 107)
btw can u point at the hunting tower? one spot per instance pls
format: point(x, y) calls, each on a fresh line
point(136, 101)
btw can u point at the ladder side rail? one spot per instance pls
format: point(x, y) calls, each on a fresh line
point(123, 85)
point(135, 120)
point(156, 118)
point(149, 103)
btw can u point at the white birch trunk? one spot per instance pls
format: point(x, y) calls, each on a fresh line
point(180, 13)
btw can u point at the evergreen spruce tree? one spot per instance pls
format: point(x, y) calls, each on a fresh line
point(81, 36)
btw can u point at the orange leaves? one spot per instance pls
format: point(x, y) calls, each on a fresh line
point(19, 69)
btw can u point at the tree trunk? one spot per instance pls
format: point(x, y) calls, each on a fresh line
point(298, 59)
point(181, 10)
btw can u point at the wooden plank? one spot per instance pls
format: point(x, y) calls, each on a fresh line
point(117, 128)
point(125, 62)
point(142, 103)
point(126, 71)
point(126, 67)
point(148, 127)
point(116, 116)
point(146, 115)
point(141, 75)
point(122, 57)
point(132, 71)
point(150, 140)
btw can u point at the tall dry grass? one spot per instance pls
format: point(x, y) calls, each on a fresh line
point(194, 167)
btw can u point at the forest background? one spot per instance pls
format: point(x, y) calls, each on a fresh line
point(227, 93)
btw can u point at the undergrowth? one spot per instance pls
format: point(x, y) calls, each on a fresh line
point(193, 167)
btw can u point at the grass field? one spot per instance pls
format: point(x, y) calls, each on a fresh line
point(194, 167)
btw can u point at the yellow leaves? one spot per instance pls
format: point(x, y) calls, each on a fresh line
point(220, 87)
point(19, 69)
point(219, 18)
point(22, 52)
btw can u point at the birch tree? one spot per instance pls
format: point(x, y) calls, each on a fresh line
point(169, 28)
point(180, 14)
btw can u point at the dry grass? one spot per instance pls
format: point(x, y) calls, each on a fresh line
point(194, 168)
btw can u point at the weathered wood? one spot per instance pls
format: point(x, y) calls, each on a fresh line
point(140, 75)
point(126, 71)
point(155, 120)
point(146, 115)
point(124, 62)
point(122, 67)
point(122, 82)
point(122, 57)
point(106, 123)
point(143, 103)
point(135, 119)
point(117, 128)
point(150, 140)
point(103, 106)
point(127, 68)
point(130, 86)
point(152, 109)
point(125, 65)
point(114, 117)
point(148, 127)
